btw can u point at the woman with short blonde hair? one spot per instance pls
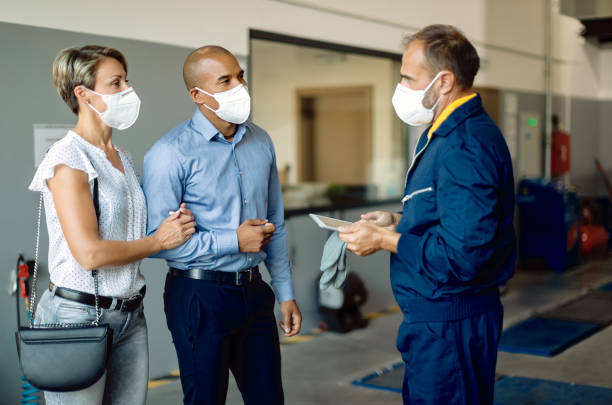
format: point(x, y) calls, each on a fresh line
point(92, 81)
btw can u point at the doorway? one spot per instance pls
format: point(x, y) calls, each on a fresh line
point(334, 134)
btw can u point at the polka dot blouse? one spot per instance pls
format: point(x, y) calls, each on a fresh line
point(123, 215)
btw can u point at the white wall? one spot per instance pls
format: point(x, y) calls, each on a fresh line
point(580, 74)
point(508, 34)
point(605, 68)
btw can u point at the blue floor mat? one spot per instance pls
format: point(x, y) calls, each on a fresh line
point(508, 390)
point(607, 287)
point(528, 391)
point(545, 337)
point(387, 379)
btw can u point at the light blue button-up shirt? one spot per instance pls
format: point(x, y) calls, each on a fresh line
point(223, 183)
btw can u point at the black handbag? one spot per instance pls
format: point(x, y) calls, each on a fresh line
point(63, 357)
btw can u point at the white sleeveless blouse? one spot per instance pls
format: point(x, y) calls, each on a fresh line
point(123, 215)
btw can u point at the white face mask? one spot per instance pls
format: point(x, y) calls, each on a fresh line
point(121, 108)
point(409, 106)
point(234, 104)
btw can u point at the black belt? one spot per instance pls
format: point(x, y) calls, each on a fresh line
point(123, 304)
point(236, 278)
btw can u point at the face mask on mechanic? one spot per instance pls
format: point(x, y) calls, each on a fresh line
point(234, 104)
point(408, 104)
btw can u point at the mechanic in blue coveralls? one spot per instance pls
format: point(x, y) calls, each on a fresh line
point(453, 243)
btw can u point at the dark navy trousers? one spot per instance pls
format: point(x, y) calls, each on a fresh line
point(219, 327)
point(451, 362)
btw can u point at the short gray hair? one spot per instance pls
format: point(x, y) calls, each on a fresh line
point(73, 67)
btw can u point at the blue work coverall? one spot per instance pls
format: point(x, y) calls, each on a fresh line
point(457, 246)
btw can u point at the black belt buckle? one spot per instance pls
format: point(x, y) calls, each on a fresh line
point(239, 277)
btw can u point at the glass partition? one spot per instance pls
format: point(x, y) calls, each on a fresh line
point(328, 110)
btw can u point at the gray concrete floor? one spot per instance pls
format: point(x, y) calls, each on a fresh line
point(320, 370)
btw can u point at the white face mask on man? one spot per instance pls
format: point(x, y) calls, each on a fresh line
point(122, 108)
point(408, 104)
point(234, 104)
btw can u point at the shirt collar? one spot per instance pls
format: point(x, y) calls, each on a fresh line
point(202, 125)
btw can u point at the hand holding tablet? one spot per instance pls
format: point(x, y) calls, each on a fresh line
point(328, 223)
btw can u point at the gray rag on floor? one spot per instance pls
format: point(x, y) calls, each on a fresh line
point(333, 263)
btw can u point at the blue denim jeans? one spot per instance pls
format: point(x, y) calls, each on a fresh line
point(127, 374)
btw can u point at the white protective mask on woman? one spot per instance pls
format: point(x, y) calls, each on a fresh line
point(408, 104)
point(234, 104)
point(121, 108)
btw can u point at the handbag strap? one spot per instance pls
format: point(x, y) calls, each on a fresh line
point(35, 273)
point(94, 273)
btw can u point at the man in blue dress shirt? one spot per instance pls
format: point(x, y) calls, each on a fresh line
point(219, 311)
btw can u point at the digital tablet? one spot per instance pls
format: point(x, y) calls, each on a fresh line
point(328, 223)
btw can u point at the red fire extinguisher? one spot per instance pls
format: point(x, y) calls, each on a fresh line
point(24, 272)
point(560, 150)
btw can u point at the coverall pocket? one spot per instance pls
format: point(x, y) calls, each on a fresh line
point(415, 193)
point(420, 206)
point(439, 330)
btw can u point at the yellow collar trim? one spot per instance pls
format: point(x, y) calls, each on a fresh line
point(448, 111)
